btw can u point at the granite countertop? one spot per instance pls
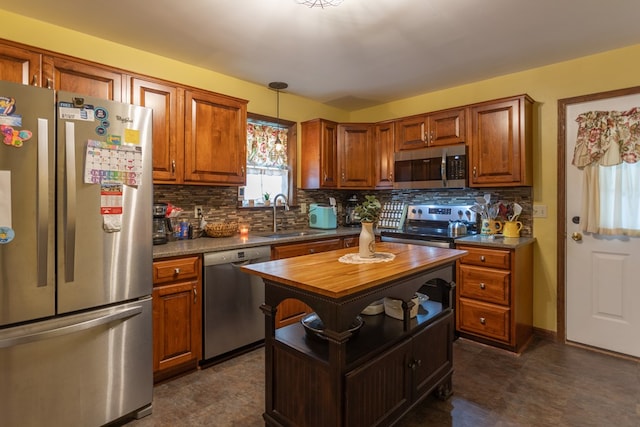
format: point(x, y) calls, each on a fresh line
point(496, 241)
point(264, 238)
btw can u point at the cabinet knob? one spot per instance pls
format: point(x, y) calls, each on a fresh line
point(311, 251)
point(34, 81)
point(173, 166)
point(49, 84)
point(482, 258)
point(195, 295)
point(475, 172)
point(482, 286)
point(483, 321)
point(176, 271)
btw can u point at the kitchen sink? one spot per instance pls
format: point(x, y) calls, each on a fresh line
point(293, 234)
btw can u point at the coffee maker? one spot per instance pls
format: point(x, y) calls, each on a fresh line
point(351, 218)
point(160, 223)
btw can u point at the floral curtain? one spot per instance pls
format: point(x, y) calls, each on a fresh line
point(607, 150)
point(261, 146)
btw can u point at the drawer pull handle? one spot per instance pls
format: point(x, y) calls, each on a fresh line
point(483, 321)
point(482, 286)
point(482, 258)
point(176, 271)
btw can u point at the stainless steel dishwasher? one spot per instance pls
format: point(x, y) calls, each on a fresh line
point(232, 318)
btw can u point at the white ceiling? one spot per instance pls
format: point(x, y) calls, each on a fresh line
point(358, 54)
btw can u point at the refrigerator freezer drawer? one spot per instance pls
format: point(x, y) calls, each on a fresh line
point(82, 370)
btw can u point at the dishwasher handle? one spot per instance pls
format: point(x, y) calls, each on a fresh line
point(237, 256)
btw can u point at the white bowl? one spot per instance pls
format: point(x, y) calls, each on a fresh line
point(393, 307)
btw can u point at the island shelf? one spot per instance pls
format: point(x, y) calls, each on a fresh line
point(374, 376)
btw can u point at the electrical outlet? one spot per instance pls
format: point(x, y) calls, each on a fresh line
point(539, 211)
point(197, 211)
point(303, 208)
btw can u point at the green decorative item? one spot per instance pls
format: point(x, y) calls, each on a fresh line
point(369, 210)
point(266, 197)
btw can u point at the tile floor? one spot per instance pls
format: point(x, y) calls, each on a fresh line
point(550, 384)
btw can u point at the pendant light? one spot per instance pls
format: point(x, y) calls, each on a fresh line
point(278, 86)
point(319, 3)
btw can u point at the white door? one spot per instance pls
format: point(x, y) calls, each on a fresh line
point(602, 272)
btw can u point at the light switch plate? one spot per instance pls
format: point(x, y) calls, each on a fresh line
point(303, 208)
point(539, 211)
point(197, 211)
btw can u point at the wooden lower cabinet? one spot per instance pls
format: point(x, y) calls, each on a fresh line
point(495, 295)
point(177, 316)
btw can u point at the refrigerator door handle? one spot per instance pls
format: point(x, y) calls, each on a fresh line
point(43, 201)
point(70, 328)
point(70, 205)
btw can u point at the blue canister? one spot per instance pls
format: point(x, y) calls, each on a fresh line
point(184, 229)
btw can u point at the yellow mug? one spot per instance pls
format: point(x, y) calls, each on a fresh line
point(512, 229)
point(490, 226)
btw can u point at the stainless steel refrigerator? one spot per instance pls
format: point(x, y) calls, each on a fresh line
point(75, 259)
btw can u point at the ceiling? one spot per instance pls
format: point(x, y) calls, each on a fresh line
point(360, 53)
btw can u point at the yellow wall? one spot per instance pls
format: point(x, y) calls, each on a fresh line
point(610, 70)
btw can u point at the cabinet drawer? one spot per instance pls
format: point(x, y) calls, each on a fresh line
point(494, 258)
point(298, 249)
point(491, 321)
point(484, 284)
point(176, 269)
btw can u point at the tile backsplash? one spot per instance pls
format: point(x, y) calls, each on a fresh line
point(220, 203)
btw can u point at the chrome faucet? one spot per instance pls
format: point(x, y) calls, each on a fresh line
point(275, 203)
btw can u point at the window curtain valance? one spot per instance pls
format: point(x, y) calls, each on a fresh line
point(261, 146)
point(607, 138)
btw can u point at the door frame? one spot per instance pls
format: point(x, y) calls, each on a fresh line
point(561, 322)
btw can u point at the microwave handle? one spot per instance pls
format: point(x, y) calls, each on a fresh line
point(443, 168)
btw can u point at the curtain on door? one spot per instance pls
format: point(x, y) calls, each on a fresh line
point(607, 150)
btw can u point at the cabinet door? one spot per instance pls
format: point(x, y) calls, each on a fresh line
point(379, 390)
point(355, 155)
point(82, 78)
point(20, 65)
point(177, 330)
point(215, 139)
point(447, 127)
point(500, 143)
point(167, 103)
point(384, 140)
point(319, 159)
point(432, 354)
point(411, 133)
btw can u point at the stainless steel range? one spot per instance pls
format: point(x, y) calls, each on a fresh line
point(429, 225)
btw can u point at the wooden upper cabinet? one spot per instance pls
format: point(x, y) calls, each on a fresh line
point(20, 65)
point(356, 155)
point(83, 78)
point(167, 102)
point(384, 143)
point(447, 127)
point(215, 139)
point(319, 159)
point(501, 143)
point(439, 128)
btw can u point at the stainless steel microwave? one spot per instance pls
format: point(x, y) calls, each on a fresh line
point(431, 167)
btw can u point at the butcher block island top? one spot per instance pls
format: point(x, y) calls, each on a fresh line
point(324, 274)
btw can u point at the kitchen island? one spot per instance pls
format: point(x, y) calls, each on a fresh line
point(356, 377)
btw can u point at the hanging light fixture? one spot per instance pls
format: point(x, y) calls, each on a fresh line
point(278, 86)
point(319, 3)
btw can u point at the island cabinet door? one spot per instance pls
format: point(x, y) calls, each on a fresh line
point(379, 390)
point(432, 356)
